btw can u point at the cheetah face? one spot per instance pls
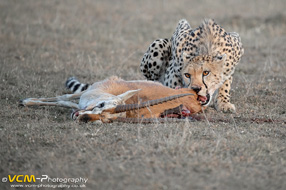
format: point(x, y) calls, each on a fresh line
point(203, 74)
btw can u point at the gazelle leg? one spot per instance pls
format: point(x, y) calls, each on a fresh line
point(65, 97)
point(35, 102)
point(62, 101)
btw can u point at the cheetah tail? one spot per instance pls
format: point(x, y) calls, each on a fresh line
point(75, 86)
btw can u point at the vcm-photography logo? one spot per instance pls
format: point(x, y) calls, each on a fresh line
point(43, 178)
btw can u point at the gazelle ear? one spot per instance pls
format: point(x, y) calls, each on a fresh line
point(128, 94)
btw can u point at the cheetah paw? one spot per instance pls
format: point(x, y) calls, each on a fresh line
point(225, 107)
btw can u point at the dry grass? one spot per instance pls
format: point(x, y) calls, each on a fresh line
point(44, 42)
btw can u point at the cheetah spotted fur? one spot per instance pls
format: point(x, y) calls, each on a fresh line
point(202, 59)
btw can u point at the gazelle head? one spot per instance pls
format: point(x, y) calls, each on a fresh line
point(103, 105)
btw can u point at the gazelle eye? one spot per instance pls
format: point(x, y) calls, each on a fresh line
point(101, 105)
point(187, 75)
point(206, 73)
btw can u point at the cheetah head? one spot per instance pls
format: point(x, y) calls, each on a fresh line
point(203, 74)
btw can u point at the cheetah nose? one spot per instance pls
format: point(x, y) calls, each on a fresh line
point(196, 88)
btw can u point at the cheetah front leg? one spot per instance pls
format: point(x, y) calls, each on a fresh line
point(223, 99)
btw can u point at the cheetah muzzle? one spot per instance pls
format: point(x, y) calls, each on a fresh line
point(204, 100)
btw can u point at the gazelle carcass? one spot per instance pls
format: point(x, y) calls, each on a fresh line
point(115, 98)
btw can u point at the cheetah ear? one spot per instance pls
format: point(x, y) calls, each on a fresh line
point(221, 58)
point(186, 57)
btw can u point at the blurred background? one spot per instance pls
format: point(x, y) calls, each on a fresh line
point(102, 38)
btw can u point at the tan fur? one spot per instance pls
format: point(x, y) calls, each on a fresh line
point(149, 91)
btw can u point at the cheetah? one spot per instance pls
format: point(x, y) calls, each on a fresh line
point(202, 59)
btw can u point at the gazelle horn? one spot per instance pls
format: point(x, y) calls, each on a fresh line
point(129, 107)
point(150, 120)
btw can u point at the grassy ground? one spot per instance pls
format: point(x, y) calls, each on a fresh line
point(44, 42)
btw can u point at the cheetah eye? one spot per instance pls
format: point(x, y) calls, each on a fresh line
point(206, 73)
point(187, 75)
